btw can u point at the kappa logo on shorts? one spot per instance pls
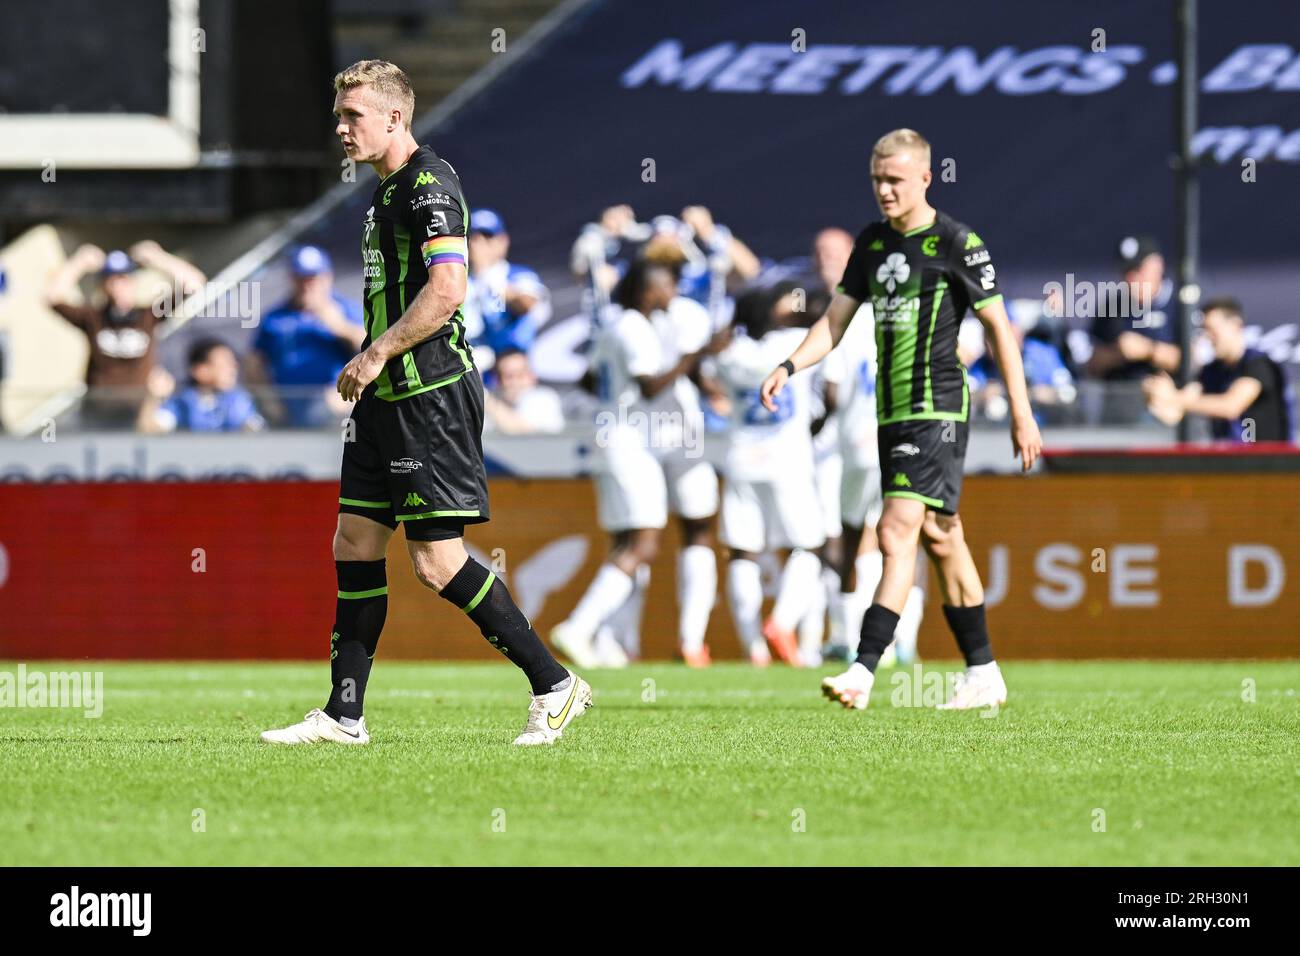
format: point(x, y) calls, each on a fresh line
point(413, 499)
point(404, 466)
point(903, 450)
point(900, 480)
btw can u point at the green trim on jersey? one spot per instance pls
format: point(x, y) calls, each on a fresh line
point(424, 388)
point(403, 242)
point(458, 319)
point(940, 288)
point(917, 231)
point(989, 301)
point(926, 416)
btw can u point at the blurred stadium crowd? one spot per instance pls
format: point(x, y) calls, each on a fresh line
point(1114, 366)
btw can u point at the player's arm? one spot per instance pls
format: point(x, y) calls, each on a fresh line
point(58, 290)
point(652, 385)
point(1132, 346)
point(431, 309)
point(971, 267)
point(1025, 437)
point(187, 277)
point(1170, 403)
point(824, 335)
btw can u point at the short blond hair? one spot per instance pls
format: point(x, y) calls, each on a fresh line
point(899, 140)
point(389, 83)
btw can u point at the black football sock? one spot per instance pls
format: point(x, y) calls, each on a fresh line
point(968, 626)
point(877, 631)
point(481, 595)
point(358, 619)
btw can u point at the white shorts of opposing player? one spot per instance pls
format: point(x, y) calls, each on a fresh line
point(636, 489)
point(758, 516)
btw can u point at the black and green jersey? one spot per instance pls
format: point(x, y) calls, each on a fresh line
point(920, 285)
point(417, 219)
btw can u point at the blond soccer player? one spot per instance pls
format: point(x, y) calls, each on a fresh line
point(921, 271)
point(416, 458)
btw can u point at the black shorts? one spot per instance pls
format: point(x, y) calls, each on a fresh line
point(418, 461)
point(924, 460)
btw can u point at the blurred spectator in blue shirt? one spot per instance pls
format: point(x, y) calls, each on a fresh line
point(506, 303)
point(302, 345)
point(211, 402)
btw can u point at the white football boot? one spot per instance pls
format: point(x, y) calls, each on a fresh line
point(318, 727)
point(981, 686)
point(852, 688)
point(549, 714)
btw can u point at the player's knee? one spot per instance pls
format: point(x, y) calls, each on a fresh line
point(645, 547)
point(896, 536)
point(434, 569)
point(350, 544)
point(696, 532)
point(942, 535)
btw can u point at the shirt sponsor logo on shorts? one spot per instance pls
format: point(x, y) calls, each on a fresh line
point(404, 466)
point(902, 451)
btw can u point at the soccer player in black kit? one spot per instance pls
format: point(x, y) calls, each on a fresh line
point(415, 453)
point(921, 270)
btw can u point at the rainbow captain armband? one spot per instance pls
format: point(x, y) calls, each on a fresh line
point(444, 249)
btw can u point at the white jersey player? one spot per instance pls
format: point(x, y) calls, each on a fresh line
point(649, 447)
point(770, 501)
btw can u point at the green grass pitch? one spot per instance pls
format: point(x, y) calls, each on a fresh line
point(672, 766)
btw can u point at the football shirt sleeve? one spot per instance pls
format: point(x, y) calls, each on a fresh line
point(972, 268)
point(1258, 367)
point(854, 283)
point(437, 221)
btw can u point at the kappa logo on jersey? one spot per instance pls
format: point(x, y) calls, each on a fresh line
point(404, 466)
point(930, 245)
point(412, 499)
point(425, 178)
point(900, 481)
point(877, 246)
point(904, 450)
point(894, 271)
point(973, 240)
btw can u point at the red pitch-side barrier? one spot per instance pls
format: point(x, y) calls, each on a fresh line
point(1138, 565)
